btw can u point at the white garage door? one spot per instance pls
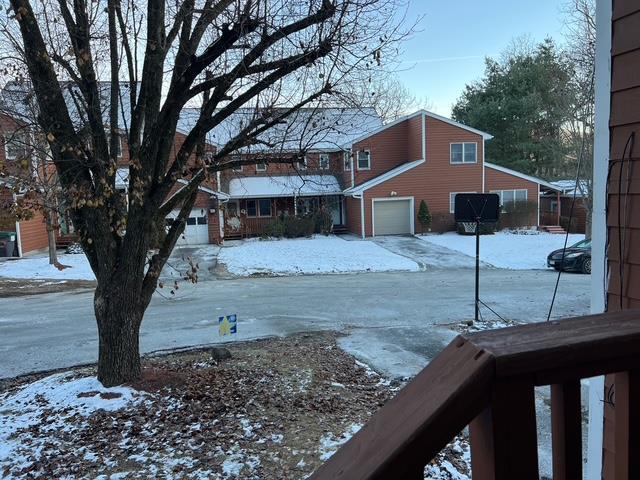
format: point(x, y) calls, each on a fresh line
point(196, 231)
point(392, 217)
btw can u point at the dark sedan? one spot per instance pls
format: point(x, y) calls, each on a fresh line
point(577, 258)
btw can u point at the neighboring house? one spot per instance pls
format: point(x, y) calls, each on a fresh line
point(369, 177)
point(427, 157)
point(555, 207)
point(15, 157)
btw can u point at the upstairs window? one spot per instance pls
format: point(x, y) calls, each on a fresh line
point(464, 153)
point(346, 159)
point(324, 161)
point(364, 160)
point(302, 165)
point(16, 145)
point(261, 167)
point(118, 145)
point(236, 167)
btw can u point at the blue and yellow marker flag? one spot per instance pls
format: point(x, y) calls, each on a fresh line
point(227, 325)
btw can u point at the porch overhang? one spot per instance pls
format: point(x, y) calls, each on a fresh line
point(284, 186)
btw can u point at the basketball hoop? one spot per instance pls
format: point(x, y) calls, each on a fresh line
point(469, 227)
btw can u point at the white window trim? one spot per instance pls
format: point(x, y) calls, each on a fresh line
point(320, 157)
point(6, 139)
point(358, 160)
point(412, 210)
point(346, 161)
point(263, 169)
point(303, 164)
point(452, 205)
point(237, 168)
point(463, 148)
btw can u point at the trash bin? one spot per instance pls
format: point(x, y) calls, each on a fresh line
point(7, 244)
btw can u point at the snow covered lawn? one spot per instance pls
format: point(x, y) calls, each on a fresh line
point(38, 267)
point(311, 255)
point(505, 249)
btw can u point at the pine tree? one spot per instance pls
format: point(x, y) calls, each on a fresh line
point(424, 216)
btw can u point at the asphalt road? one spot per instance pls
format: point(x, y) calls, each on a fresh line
point(394, 321)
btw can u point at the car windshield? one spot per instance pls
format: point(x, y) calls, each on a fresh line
point(582, 244)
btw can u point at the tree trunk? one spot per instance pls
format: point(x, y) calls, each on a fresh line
point(51, 238)
point(119, 316)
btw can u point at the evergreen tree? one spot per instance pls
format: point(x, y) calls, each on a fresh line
point(424, 216)
point(523, 101)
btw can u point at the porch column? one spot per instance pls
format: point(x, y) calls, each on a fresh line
point(559, 208)
point(295, 205)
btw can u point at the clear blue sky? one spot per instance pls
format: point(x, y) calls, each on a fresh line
point(455, 35)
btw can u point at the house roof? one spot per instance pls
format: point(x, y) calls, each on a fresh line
point(568, 187)
point(426, 113)
point(515, 173)
point(394, 172)
point(325, 129)
point(284, 186)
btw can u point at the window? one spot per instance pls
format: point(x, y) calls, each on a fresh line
point(364, 160)
point(346, 158)
point(235, 159)
point(265, 207)
point(201, 220)
point(464, 153)
point(16, 145)
point(324, 161)
point(509, 198)
point(261, 167)
point(259, 208)
point(191, 221)
point(452, 201)
point(303, 164)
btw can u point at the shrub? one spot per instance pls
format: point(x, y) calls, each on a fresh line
point(424, 217)
point(276, 228)
point(323, 223)
point(520, 214)
point(299, 226)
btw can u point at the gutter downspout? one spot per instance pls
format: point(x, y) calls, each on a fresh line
point(18, 236)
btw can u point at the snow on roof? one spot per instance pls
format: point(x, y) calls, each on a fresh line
point(567, 187)
point(284, 186)
point(122, 178)
point(308, 129)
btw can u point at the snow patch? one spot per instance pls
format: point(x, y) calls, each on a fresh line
point(510, 250)
point(317, 255)
point(38, 267)
point(329, 443)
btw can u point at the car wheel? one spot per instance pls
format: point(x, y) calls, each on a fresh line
point(586, 265)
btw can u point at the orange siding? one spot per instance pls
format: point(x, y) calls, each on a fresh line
point(624, 119)
point(496, 180)
point(434, 180)
point(33, 234)
point(389, 148)
point(352, 207)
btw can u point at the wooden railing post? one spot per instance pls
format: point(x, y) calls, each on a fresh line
point(504, 442)
point(566, 428)
point(627, 425)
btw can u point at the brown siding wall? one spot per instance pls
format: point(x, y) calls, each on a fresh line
point(496, 180)
point(389, 148)
point(352, 207)
point(33, 234)
point(625, 118)
point(435, 179)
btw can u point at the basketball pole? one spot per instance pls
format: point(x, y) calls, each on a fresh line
point(477, 303)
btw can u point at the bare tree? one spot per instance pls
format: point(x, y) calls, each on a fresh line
point(580, 34)
point(275, 56)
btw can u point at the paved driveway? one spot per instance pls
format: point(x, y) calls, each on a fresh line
point(427, 255)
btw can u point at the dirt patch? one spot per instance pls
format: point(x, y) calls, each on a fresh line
point(276, 409)
point(14, 287)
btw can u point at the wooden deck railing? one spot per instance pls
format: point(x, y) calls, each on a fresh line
point(486, 380)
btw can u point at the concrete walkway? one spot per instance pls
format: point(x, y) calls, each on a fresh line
point(428, 255)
